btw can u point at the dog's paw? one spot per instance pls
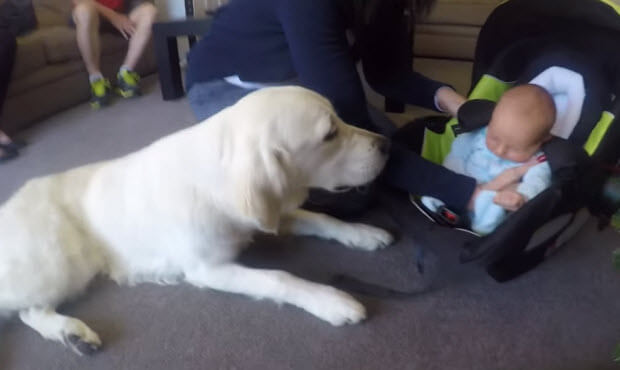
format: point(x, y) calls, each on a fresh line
point(81, 339)
point(336, 307)
point(366, 237)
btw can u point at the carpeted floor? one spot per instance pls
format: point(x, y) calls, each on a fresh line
point(565, 315)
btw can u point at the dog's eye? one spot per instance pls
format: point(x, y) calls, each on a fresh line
point(331, 135)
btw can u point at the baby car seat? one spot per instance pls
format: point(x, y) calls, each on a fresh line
point(525, 40)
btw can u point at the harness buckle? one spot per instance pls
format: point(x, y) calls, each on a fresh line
point(448, 216)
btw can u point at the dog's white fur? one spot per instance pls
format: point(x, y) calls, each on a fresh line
point(182, 209)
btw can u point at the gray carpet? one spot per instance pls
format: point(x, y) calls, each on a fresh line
point(564, 315)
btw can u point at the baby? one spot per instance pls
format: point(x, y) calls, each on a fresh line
point(520, 124)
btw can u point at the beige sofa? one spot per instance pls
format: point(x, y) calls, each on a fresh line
point(49, 75)
point(444, 47)
point(450, 31)
point(452, 28)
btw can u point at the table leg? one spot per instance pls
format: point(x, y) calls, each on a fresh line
point(168, 66)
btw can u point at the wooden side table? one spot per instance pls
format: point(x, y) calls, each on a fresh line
point(165, 41)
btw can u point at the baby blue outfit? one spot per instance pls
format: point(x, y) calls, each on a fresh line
point(470, 156)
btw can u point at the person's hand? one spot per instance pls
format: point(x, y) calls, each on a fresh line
point(123, 24)
point(449, 100)
point(509, 177)
point(509, 200)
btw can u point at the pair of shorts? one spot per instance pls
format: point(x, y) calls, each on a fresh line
point(105, 25)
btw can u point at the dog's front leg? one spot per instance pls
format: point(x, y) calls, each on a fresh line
point(355, 235)
point(325, 302)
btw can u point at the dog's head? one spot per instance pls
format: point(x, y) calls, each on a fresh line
point(293, 140)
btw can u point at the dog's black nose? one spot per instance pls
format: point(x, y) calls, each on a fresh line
point(383, 145)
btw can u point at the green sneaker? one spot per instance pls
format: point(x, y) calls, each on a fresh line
point(128, 84)
point(100, 90)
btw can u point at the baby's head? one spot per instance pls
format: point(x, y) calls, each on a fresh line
point(521, 123)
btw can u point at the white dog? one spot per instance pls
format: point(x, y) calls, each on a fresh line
point(184, 207)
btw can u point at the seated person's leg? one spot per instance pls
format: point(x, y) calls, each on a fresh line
point(8, 150)
point(142, 16)
point(86, 19)
point(7, 58)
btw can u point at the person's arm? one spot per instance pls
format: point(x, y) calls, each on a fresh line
point(316, 36)
point(448, 100)
point(407, 171)
point(8, 50)
point(387, 58)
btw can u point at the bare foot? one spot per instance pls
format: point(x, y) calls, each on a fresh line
point(7, 150)
point(4, 138)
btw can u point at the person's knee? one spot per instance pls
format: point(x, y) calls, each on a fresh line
point(146, 13)
point(84, 12)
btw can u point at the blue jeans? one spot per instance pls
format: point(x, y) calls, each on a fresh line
point(208, 98)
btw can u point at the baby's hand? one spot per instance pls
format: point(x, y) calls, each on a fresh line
point(509, 199)
point(509, 177)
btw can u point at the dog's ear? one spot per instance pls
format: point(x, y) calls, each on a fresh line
point(263, 187)
point(257, 204)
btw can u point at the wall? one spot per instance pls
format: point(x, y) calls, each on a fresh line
point(175, 9)
point(171, 9)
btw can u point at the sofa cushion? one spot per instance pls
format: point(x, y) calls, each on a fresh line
point(445, 41)
point(461, 12)
point(440, 29)
point(451, 29)
point(52, 12)
point(30, 55)
point(59, 45)
point(42, 76)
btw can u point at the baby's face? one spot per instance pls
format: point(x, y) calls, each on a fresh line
point(510, 140)
point(521, 123)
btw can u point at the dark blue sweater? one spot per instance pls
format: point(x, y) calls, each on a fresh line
point(277, 40)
